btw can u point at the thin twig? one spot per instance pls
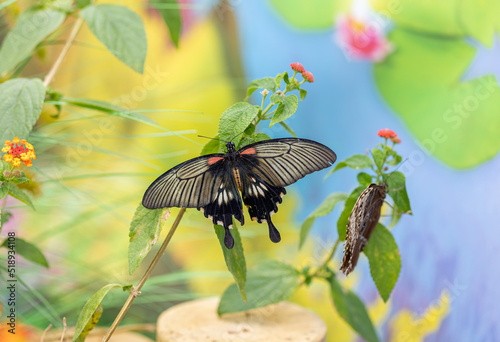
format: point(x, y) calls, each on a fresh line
point(64, 51)
point(137, 289)
point(45, 332)
point(325, 262)
point(64, 329)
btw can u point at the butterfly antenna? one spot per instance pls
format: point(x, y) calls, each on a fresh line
point(202, 136)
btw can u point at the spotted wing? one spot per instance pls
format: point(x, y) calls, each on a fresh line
point(281, 162)
point(226, 204)
point(362, 221)
point(192, 184)
point(262, 200)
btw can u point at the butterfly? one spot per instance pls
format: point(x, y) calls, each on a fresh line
point(260, 171)
point(361, 223)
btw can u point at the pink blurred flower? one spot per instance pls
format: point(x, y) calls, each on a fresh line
point(360, 40)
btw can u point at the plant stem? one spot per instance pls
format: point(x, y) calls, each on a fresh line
point(147, 274)
point(327, 260)
point(64, 51)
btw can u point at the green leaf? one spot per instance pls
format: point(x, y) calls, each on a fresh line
point(396, 158)
point(385, 261)
point(324, 208)
point(91, 104)
point(31, 28)
point(235, 121)
point(268, 282)
point(307, 15)
point(4, 217)
point(82, 3)
point(425, 16)
point(254, 138)
point(285, 109)
point(21, 102)
point(303, 94)
point(19, 194)
point(90, 324)
point(288, 129)
point(344, 216)
point(480, 19)
point(379, 157)
point(396, 214)
point(396, 188)
point(120, 30)
point(279, 78)
point(277, 98)
point(235, 260)
point(4, 190)
point(268, 83)
point(171, 14)
point(364, 178)
point(4, 166)
point(29, 252)
point(352, 310)
point(356, 162)
point(145, 229)
point(250, 130)
point(422, 82)
point(90, 308)
point(212, 146)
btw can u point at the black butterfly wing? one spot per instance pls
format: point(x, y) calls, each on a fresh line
point(361, 223)
point(226, 204)
point(262, 200)
point(192, 184)
point(268, 166)
point(281, 162)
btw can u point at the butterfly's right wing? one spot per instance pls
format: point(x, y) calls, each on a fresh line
point(362, 221)
point(192, 184)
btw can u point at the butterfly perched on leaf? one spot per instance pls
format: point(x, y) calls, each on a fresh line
point(260, 171)
point(361, 223)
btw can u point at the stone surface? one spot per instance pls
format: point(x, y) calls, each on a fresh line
point(198, 321)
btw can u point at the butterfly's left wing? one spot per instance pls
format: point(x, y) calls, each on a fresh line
point(268, 166)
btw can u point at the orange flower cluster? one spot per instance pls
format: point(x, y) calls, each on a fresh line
point(389, 134)
point(18, 151)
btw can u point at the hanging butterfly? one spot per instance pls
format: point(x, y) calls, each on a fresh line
point(361, 223)
point(260, 171)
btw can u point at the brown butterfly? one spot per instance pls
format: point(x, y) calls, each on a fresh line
point(361, 223)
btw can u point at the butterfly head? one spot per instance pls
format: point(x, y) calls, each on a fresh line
point(230, 147)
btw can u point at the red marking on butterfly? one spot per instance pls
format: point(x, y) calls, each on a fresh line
point(250, 150)
point(214, 160)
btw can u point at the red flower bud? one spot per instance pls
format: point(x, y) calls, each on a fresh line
point(297, 67)
point(387, 133)
point(308, 76)
point(396, 140)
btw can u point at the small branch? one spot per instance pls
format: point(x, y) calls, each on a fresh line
point(45, 332)
point(64, 51)
point(137, 289)
point(64, 329)
point(327, 260)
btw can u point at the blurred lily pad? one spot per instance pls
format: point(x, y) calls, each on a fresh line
point(315, 14)
point(421, 81)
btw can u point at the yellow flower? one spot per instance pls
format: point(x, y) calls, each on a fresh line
point(18, 151)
